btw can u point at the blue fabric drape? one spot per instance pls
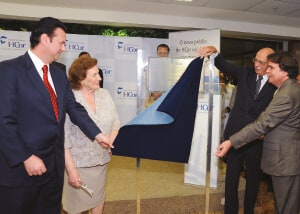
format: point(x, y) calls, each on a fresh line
point(164, 130)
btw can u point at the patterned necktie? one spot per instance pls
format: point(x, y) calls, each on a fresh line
point(258, 84)
point(50, 90)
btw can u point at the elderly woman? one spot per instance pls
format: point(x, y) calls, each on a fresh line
point(87, 161)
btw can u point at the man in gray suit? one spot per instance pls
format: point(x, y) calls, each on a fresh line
point(280, 126)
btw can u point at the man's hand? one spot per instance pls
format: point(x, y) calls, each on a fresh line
point(34, 166)
point(104, 141)
point(206, 51)
point(223, 149)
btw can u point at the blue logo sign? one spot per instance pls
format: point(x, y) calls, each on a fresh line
point(203, 107)
point(127, 48)
point(106, 71)
point(12, 43)
point(126, 93)
point(119, 90)
point(75, 46)
point(3, 39)
point(120, 45)
point(16, 44)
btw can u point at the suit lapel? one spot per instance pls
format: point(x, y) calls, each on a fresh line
point(252, 82)
point(266, 89)
point(36, 80)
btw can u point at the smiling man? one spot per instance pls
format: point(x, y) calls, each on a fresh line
point(250, 100)
point(280, 126)
point(35, 97)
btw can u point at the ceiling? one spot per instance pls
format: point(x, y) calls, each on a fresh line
point(262, 12)
point(283, 8)
point(272, 7)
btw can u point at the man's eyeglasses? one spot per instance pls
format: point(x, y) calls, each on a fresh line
point(260, 62)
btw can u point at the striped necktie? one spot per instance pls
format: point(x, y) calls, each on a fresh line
point(258, 84)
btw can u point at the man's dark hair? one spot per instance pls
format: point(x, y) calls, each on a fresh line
point(45, 25)
point(287, 62)
point(83, 53)
point(163, 46)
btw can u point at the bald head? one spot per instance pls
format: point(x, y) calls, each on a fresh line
point(265, 52)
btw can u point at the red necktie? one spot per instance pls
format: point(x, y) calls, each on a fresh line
point(50, 90)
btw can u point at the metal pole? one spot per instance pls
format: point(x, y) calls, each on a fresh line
point(209, 133)
point(138, 190)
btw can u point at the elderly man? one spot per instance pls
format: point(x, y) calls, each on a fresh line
point(253, 94)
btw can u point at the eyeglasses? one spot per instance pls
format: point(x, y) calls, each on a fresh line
point(260, 62)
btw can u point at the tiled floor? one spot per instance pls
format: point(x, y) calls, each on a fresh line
point(162, 180)
point(264, 202)
point(160, 184)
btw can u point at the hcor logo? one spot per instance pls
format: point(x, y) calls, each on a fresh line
point(3, 39)
point(119, 90)
point(123, 93)
point(120, 45)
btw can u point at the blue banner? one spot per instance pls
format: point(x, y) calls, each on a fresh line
point(164, 130)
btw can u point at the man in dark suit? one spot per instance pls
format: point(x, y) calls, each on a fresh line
point(247, 107)
point(31, 130)
point(60, 65)
point(280, 123)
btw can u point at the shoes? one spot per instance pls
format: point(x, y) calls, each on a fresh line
point(270, 187)
point(267, 179)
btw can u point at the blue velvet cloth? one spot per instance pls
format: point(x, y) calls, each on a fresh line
point(164, 130)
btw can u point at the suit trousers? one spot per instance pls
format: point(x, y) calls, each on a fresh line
point(287, 194)
point(250, 155)
point(35, 199)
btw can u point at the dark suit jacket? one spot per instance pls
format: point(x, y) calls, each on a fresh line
point(27, 122)
point(280, 123)
point(101, 75)
point(245, 109)
point(60, 65)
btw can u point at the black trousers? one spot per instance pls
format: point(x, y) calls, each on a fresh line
point(250, 155)
point(41, 199)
